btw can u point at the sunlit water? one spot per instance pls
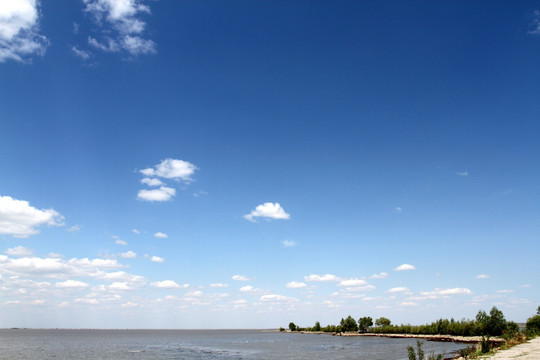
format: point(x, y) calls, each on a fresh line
point(202, 344)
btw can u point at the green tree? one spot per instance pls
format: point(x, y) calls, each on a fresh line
point(382, 321)
point(292, 326)
point(349, 324)
point(364, 323)
point(317, 326)
point(533, 323)
point(497, 322)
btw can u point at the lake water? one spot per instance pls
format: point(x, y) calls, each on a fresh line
point(202, 345)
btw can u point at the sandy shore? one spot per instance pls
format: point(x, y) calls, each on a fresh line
point(527, 351)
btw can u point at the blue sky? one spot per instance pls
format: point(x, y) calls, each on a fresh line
point(243, 164)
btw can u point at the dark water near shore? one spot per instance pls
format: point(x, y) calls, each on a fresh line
point(201, 345)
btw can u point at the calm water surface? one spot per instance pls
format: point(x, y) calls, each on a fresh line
point(202, 345)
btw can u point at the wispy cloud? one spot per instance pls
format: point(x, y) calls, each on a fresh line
point(267, 210)
point(128, 255)
point(218, 285)
point(19, 31)
point(161, 235)
point(19, 219)
point(483, 276)
point(19, 251)
point(121, 25)
point(381, 275)
point(82, 54)
point(535, 26)
point(446, 292)
point(462, 173)
point(288, 243)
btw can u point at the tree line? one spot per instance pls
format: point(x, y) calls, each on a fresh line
point(484, 324)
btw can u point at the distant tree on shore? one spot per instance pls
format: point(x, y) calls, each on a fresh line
point(349, 324)
point(382, 321)
point(492, 324)
point(292, 326)
point(317, 326)
point(364, 323)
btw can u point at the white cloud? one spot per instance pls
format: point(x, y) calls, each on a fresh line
point(135, 231)
point(119, 276)
point(172, 169)
point(19, 219)
point(296, 285)
point(120, 285)
point(157, 259)
point(241, 278)
point(19, 251)
point(277, 298)
point(382, 275)
point(120, 242)
point(408, 303)
point(504, 291)
point(353, 282)
point(19, 36)
point(168, 284)
point(246, 288)
point(129, 304)
point(74, 228)
point(89, 301)
point(267, 210)
point(398, 289)
point(405, 267)
point(160, 235)
point(128, 255)
point(55, 267)
point(71, 284)
point(446, 292)
point(164, 193)
point(398, 209)
point(323, 278)
point(152, 182)
point(218, 285)
point(121, 19)
point(483, 276)
point(462, 173)
point(288, 243)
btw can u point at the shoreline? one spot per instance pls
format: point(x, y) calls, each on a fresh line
point(441, 338)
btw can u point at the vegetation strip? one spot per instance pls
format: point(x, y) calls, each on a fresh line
point(488, 331)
